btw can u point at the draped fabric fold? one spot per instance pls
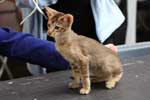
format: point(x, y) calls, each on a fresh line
point(107, 16)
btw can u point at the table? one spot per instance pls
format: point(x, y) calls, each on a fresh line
point(135, 84)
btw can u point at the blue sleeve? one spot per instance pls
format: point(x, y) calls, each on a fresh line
point(25, 47)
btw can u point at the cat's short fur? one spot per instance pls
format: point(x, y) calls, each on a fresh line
point(90, 60)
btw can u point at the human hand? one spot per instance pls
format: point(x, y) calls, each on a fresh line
point(112, 47)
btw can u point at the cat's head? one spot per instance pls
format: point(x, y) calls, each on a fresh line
point(58, 21)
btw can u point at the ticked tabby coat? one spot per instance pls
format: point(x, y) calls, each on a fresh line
point(90, 60)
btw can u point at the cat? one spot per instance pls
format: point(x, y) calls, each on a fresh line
point(90, 60)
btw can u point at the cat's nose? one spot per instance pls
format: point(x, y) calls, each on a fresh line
point(49, 31)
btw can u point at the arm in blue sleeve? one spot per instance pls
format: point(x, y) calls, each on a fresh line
point(25, 47)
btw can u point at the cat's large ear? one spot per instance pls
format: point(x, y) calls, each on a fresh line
point(50, 12)
point(67, 20)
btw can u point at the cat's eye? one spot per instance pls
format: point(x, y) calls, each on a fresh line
point(56, 27)
point(48, 25)
point(53, 21)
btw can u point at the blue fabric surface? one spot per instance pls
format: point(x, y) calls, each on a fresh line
point(26, 47)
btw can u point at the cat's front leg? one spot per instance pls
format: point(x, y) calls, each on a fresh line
point(76, 75)
point(85, 77)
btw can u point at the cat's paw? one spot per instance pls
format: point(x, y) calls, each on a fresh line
point(110, 84)
point(84, 91)
point(74, 85)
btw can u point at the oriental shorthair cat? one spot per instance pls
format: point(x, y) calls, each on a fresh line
point(90, 60)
